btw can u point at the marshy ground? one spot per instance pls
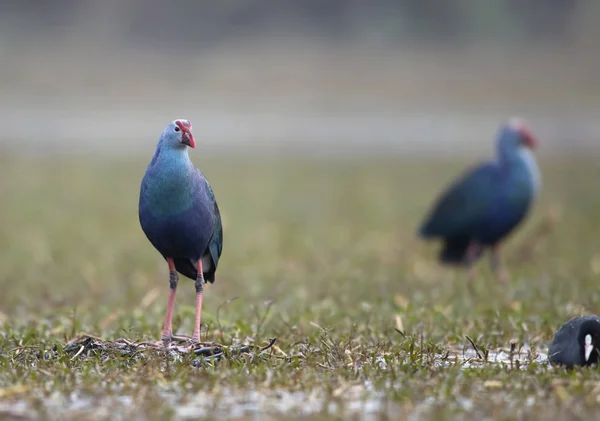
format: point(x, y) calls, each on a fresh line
point(320, 256)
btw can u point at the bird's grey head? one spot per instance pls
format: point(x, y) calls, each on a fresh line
point(514, 136)
point(178, 135)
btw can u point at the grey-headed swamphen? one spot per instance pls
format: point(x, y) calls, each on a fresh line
point(577, 342)
point(486, 204)
point(179, 215)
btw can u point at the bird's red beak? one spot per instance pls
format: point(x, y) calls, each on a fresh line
point(188, 139)
point(186, 133)
point(529, 139)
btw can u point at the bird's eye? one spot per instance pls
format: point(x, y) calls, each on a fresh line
point(177, 129)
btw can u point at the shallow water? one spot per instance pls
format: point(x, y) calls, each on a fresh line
point(469, 358)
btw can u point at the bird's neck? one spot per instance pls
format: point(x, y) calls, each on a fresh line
point(514, 157)
point(521, 163)
point(171, 183)
point(171, 158)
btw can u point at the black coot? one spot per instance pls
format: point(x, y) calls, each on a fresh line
point(577, 342)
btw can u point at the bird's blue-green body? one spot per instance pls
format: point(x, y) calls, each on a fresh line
point(178, 211)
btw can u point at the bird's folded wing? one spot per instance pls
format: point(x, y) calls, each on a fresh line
point(463, 204)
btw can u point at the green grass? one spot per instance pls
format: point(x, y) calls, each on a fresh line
point(321, 255)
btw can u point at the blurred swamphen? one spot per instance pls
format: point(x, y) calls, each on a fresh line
point(486, 204)
point(179, 215)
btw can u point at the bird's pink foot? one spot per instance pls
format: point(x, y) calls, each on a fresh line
point(166, 339)
point(158, 345)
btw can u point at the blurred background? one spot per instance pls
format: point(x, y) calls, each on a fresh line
point(322, 77)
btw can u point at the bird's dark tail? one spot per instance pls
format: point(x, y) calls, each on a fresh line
point(189, 269)
point(455, 250)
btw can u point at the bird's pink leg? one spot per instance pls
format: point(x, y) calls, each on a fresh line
point(199, 293)
point(167, 333)
point(471, 256)
point(497, 267)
